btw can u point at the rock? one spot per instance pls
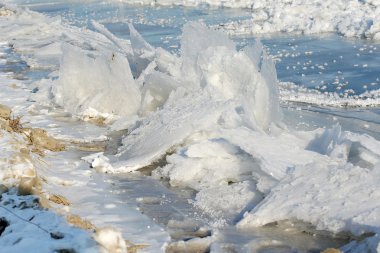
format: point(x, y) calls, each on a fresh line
point(3, 225)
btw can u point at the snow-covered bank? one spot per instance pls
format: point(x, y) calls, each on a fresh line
point(29, 228)
point(24, 221)
point(60, 175)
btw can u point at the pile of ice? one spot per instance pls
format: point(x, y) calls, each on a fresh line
point(45, 43)
point(352, 18)
point(213, 113)
point(139, 83)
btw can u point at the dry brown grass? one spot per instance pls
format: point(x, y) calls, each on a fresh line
point(15, 125)
point(331, 250)
point(77, 221)
point(135, 248)
point(98, 146)
point(59, 199)
point(41, 141)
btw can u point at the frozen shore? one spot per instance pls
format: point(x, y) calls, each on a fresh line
point(211, 113)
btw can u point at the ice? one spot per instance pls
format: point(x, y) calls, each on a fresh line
point(208, 119)
point(103, 83)
point(330, 199)
point(154, 136)
point(213, 81)
point(351, 18)
point(348, 18)
point(228, 146)
point(124, 46)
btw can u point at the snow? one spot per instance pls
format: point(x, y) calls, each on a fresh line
point(29, 226)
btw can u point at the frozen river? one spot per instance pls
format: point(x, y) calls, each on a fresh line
point(277, 171)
